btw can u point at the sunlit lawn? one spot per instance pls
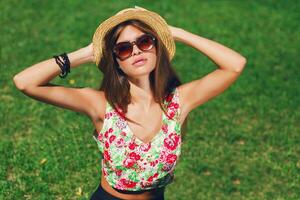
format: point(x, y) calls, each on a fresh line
point(243, 144)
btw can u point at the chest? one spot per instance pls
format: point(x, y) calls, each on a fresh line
point(123, 149)
point(146, 124)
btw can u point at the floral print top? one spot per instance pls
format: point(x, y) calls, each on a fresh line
point(130, 164)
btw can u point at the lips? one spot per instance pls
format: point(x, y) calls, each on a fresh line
point(138, 59)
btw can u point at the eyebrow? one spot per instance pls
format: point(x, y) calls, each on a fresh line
point(129, 40)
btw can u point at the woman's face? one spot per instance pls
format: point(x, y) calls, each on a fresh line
point(131, 33)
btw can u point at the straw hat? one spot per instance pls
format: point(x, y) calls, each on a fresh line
point(152, 19)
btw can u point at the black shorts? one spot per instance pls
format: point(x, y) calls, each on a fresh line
point(101, 194)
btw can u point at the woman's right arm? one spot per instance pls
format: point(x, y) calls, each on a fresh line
point(34, 82)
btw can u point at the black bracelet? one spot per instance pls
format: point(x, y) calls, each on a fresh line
point(63, 63)
point(59, 62)
point(66, 65)
point(67, 61)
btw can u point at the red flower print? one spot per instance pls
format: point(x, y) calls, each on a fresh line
point(150, 179)
point(110, 130)
point(134, 156)
point(108, 115)
point(174, 137)
point(120, 142)
point(127, 183)
point(106, 134)
point(145, 147)
point(106, 155)
point(169, 97)
point(165, 128)
point(118, 172)
point(176, 105)
point(170, 144)
point(128, 162)
point(153, 163)
point(100, 137)
point(162, 156)
point(106, 144)
point(171, 158)
point(171, 105)
point(123, 133)
point(171, 114)
point(132, 145)
point(104, 171)
point(112, 138)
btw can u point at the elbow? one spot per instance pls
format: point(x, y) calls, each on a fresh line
point(241, 65)
point(18, 84)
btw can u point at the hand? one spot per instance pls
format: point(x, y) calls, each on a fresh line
point(89, 52)
point(175, 31)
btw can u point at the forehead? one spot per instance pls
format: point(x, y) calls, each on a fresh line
point(129, 33)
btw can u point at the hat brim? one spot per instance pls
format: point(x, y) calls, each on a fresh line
point(155, 21)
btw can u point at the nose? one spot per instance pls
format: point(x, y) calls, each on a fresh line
point(135, 50)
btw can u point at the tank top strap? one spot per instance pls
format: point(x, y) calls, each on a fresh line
point(173, 104)
point(99, 135)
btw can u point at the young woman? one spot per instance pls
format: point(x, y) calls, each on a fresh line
point(141, 106)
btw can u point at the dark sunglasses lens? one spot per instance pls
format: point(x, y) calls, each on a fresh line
point(123, 50)
point(145, 42)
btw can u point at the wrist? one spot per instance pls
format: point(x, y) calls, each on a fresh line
point(179, 34)
point(78, 57)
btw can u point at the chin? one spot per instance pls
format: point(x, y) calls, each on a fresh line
point(141, 72)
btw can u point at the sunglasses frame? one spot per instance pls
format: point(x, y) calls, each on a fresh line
point(134, 43)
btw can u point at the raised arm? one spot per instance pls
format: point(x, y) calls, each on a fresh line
point(230, 65)
point(34, 81)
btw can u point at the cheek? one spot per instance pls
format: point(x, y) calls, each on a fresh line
point(125, 64)
point(152, 61)
point(152, 58)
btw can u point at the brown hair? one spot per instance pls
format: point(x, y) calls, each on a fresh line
point(163, 79)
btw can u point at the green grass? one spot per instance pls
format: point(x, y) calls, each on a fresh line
point(243, 144)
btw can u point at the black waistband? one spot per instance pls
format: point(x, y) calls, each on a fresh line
point(156, 191)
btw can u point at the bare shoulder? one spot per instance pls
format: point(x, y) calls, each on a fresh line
point(98, 101)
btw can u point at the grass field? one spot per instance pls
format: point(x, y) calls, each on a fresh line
point(243, 144)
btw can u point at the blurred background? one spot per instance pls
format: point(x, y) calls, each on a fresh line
point(243, 144)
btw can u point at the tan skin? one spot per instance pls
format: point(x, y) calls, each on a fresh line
point(91, 102)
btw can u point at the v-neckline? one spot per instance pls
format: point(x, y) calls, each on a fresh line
point(163, 118)
point(153, 138)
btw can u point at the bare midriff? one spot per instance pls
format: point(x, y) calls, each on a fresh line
point(147, 195)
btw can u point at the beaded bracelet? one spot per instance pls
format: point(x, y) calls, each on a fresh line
point(63, 64)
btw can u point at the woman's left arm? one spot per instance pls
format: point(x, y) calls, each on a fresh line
point(230, 65)
point(224, 57)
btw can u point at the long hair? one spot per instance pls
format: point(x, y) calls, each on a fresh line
point(163, 79)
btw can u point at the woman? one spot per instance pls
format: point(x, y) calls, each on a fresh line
point(141, 105)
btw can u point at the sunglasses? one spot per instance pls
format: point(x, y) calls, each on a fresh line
point(124, 50)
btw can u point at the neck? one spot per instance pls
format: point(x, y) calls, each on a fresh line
point(141, 93)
